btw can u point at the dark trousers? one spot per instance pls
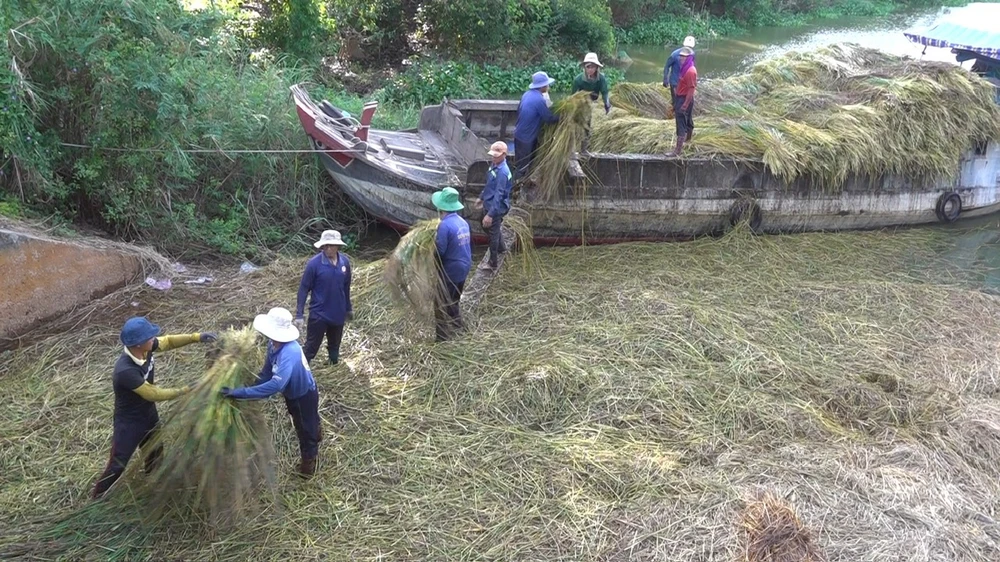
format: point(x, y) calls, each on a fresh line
point(684, 119)
point(316, 329)
point(126, 438)
point(305, 418)
point(524, 153)
point(496, 240)
point(673, 97)
point(447, 313)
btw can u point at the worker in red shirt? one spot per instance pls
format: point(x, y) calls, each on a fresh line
point(684, 102)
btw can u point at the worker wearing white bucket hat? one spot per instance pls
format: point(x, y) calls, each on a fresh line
point(592, 80)
point(672, 70)
point(287, 371)
point(327, 281)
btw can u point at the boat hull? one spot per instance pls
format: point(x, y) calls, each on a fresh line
point(611, 215)
point(611, 198)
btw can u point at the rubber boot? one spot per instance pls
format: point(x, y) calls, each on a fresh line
point(307, 468)
point(688, 137)
point(678, 148)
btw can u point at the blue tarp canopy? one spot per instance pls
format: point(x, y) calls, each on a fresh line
point(974, 28)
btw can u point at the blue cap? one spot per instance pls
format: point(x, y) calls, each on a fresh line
point(138, 330)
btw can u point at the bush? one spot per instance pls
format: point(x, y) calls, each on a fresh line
point(585, 25)
point(625, 13)
point(484, 27)
point(428, 81)
point(383, 26)
point(149, 81)
point(299, 27)
point(672, 30)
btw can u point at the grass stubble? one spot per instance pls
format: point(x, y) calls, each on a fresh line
point(625, 402)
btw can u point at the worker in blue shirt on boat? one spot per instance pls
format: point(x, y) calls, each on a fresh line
point(672, 70)
point(286, 371)
point(454, 249)
point(532, 112)
point(495, 200)
point(327, 278)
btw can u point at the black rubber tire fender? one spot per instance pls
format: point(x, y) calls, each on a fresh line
point(949, 207)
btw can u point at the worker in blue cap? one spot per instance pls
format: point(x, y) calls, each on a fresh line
point(532, 112)
point(136, 394)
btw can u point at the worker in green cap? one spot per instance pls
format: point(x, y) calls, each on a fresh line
point(454, 248)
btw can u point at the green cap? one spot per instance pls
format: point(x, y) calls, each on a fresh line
point(447, 200)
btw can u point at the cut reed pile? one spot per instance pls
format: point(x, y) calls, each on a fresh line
point(558, 142)
point(218, 454)
point(412, 272)
point(822, 116)
point(647, 100)
point(620, 405)
point(770, 531)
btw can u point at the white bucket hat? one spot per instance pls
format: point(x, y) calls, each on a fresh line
point(330, 238)
point(276, 325)
point(591, 58)
point(689, 41)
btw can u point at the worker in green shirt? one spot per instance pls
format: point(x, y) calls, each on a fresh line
point(592, 80)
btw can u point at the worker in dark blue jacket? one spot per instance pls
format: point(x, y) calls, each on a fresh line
point(495, 200)
point(454, 248)
point(287, 371)
point(532, 112)
point(328, 278)
point(136, 421)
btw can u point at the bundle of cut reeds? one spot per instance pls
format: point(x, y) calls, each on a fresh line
point(217, 452)
point(648, 100)
point(823, 117)
point(771, 531)
point(412, 272)
point(558, 142)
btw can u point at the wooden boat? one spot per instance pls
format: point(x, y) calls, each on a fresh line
point(627, 197)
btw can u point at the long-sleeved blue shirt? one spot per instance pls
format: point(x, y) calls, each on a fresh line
point(531, 113)
point(496, 192)
point(285, 370)
point(672, 70)
point(454, 246)
point(330, 285)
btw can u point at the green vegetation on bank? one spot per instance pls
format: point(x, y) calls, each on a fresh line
point(429, 81)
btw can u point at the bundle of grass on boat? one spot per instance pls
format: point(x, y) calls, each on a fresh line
point(412, 272)
point(826, 115)
point(649, 100)
point(558, 142)
point(218, 456)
